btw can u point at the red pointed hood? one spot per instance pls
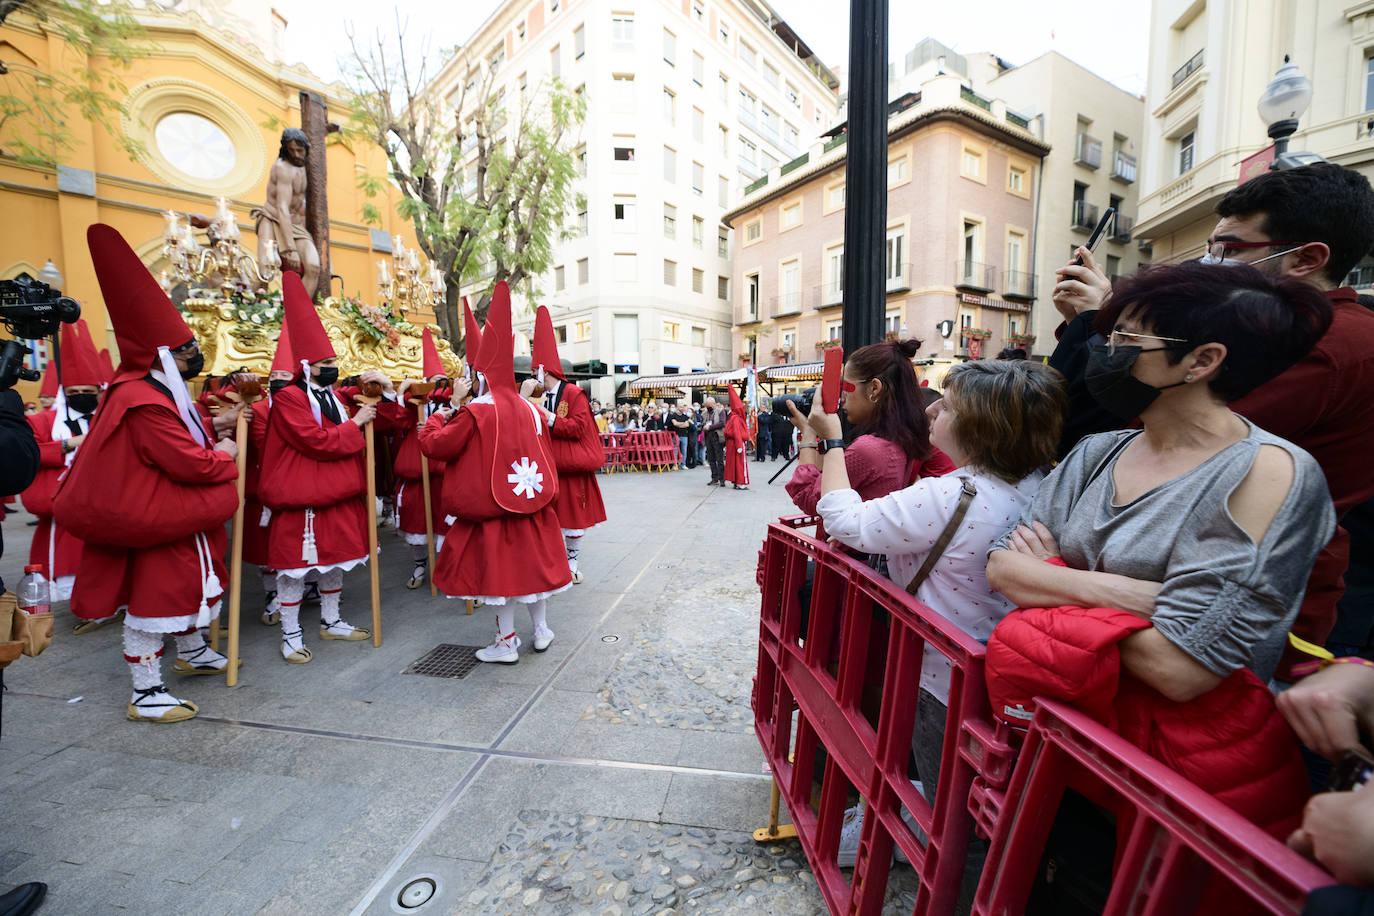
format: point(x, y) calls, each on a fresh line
point(107, 364)
point(736, 402)
point(432, 364)
point(80, 363)
point(48, 389)
point(472, 337)
point(523, 479)
point(546, 345)
point(309, 342)
point(144, 319)
point(284, 360)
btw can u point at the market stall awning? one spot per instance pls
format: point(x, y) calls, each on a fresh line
point(687, 380)
point(794, 372)
point(657, 391)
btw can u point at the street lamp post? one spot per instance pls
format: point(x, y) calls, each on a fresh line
point(51, 275)
point(1281, 105)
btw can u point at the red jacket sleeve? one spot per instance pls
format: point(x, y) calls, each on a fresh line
point(49, 452)
point(161, 440)
point(293, 417)
point(257, 425)
point(446, 441)
point(576, 425)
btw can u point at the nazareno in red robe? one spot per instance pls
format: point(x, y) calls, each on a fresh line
point(491, 553)
point(410, 503)
point(49, 541)
point(147, 537)
point(314, 486)
point(736, 458)
point(577, 453)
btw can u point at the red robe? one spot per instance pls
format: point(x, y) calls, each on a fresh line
point(578, 455)
point(490, 552)
point(255, 534)
point(410, 504)
point(736, 459)
point(316, 468)
point(171, 491)
point(49, 540)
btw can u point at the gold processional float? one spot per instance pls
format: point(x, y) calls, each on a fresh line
point(236, 316)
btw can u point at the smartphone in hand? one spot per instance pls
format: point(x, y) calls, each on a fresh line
point(1098, 231)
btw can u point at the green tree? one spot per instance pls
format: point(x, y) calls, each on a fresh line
point(487, 182)
point(99, 39)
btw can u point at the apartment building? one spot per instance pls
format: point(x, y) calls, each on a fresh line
point(1093, 129)
point(961, 175)
point(687, 102)
point(1209, 62)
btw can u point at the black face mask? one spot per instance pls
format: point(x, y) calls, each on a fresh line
point(83, 403)
point(193, 366)
point(277, 384)
point(1109, 380)
point(326, 376)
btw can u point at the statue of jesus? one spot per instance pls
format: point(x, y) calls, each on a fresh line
point(283, 216)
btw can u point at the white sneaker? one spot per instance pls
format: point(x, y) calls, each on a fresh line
point(502, 650)
point(850, 829)
point(543, 636)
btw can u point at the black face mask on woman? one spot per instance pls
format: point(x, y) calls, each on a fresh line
point(1109, 380)
point(194, 365)
point(83, 403)
point(277, 384)
point(326, 376)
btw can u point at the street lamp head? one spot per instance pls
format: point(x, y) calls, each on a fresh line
point(51, 275)
point(1285, 100)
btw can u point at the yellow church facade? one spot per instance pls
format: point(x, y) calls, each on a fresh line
point(207, 109)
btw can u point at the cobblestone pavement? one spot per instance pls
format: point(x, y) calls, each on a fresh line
point(615, 773)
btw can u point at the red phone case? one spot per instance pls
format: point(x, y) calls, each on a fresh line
point(830, 379)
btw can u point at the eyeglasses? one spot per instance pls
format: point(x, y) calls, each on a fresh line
point(1119, 338)
point(1219, 251)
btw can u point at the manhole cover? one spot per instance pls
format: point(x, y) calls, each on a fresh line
point(417, 893)
point(446, 660)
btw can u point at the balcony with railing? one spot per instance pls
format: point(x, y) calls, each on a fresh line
point(834, 142)
point(974, 275)
point(973, 98)
point(1088, 151)
point(1362, 275)
point(1123, 167)
point(831, 294)
point(1018, 284)
point(1121, 228)
point(1193, 65)
point(795, 164)
point(898, 277)
point(746, 117)
point(748, 168)
point(789, 303)
point(1084, 216)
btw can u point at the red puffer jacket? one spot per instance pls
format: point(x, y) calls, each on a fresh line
point(1231, 741)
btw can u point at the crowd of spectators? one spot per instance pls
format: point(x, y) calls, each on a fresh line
point(1160, 502)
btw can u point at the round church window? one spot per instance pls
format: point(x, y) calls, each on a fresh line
point(195, 145)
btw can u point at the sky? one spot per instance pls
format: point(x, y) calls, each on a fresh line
point(1110, 37)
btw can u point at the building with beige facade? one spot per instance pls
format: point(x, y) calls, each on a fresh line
point(687, 102)
point(1209, 62)
point(962, 171)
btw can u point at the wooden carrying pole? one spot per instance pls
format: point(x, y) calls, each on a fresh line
point(236, 551)
point(429, 522)
point(372, 571)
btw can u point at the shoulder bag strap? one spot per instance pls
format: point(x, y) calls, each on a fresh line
point(938, 548)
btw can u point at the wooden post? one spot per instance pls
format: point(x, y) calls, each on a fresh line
point(372, 572)
point(315, 123)
point(236, 552)
point(429, 522)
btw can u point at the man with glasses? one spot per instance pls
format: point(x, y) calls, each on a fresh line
point(1313, 224)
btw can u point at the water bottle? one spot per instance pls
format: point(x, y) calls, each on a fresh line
point(34, 596)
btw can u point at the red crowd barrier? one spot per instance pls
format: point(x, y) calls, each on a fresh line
point(851, 686)
point(641, 450)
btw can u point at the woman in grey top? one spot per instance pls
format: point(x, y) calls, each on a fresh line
point(1200, 522)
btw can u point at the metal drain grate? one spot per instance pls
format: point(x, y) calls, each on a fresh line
point(446, 660)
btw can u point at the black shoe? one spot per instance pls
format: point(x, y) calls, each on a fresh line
point(23, 900)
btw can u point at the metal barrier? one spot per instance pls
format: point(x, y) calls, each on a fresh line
point(851, 683)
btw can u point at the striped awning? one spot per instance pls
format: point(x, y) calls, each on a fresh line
point(687, 380)
point(794, 372)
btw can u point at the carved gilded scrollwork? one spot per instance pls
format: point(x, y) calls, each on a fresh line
point(230, 344)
